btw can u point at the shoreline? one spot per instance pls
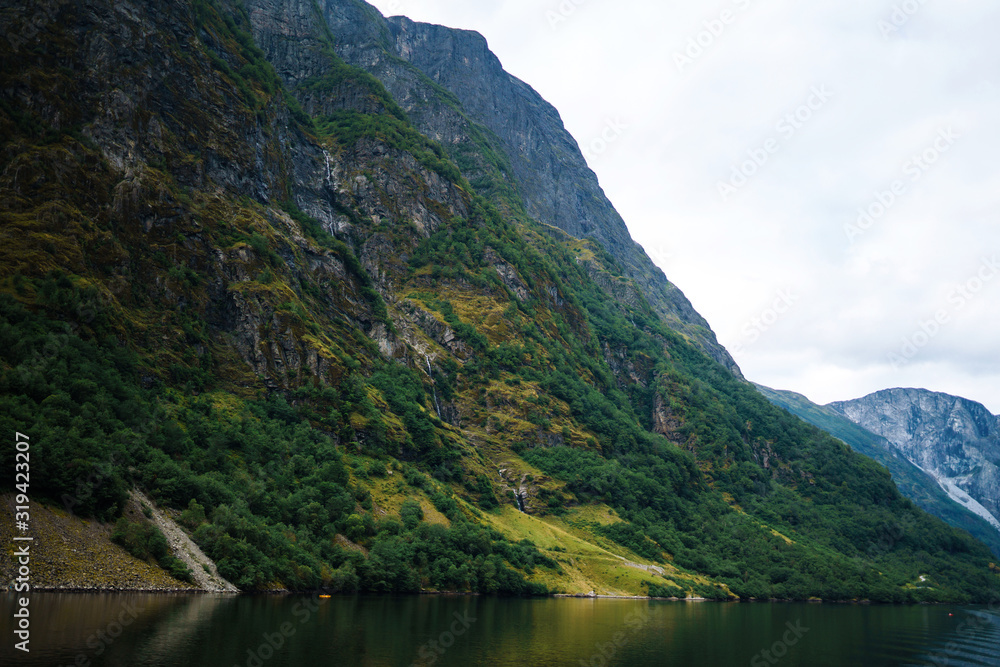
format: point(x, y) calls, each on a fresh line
point(579, 596)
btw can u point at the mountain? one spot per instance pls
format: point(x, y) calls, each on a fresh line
point(503, 136)
point(315, 312)
point(916, 484)
point(955, 440)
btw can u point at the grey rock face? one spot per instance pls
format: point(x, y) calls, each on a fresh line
point(455, 90)
point(954, 439)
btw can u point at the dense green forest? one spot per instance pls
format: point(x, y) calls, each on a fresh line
point(336, 406)
point(264, 473)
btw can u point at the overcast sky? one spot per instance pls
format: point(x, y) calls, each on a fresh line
point(746, 137)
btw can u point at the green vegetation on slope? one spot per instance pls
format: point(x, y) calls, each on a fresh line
point(232, 357)
point(278, 490)
point(913, 482)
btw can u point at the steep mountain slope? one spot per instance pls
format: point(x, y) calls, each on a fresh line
point(503, 136)
point(954, 439)
point(236, 277)
point(915, 483)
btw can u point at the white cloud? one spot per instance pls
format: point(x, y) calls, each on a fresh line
point(784, 228)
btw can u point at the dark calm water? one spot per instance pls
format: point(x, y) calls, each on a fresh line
point(199, 630)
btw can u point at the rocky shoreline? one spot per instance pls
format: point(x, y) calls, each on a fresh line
point(113, 589)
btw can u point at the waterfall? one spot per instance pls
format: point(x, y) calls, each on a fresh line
point(329, 172)
point(522, 493)
point(430, 374)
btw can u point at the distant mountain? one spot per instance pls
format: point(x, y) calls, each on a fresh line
point(917, 484)
point(955, 440)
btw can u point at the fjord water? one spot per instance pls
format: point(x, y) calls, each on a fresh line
point(135, 630)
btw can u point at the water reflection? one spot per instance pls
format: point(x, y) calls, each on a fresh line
point(975, 640)
point(78, 629)
point(280, 631)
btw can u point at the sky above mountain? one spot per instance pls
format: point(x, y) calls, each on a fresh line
point(821, 179)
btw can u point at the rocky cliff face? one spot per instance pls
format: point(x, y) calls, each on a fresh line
point(234, 275)
point(504, 137)
point(954, 439)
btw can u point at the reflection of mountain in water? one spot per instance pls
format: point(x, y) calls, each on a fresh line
point(177, 628)
point(66, 626)
point(384, 631)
